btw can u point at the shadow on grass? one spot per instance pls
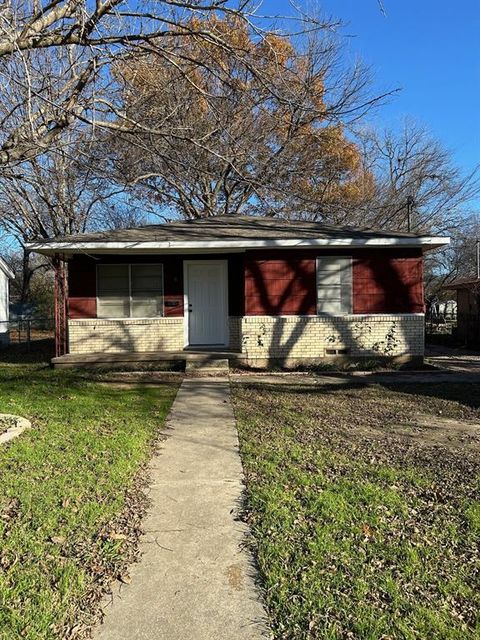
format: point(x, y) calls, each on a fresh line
point(40, 351)
point(465, 393)
point(34, 383)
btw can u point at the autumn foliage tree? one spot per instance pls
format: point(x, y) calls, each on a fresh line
point(55, 58)
point(257, 126)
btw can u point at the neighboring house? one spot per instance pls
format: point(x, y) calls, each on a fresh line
point(442, 311)
point(266, 290)
point(21, 310)
point(447, 309)
point(468, 309)
point(5, 275)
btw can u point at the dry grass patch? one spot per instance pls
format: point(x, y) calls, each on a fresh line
point(365, 509)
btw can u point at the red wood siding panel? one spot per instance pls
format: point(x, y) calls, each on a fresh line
point(83, 282)
point(386, 284)
point(82, 288)
point(172, 284)
point(236, 285)
point(82, 308)
point(263, 283)
point(280, 286)
point(82, 279)
point(383, 281)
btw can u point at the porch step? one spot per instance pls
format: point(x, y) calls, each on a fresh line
point(211, 367)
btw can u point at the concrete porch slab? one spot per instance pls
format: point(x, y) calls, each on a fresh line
point(119, 360)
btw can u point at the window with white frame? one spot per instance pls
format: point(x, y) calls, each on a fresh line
point(334, 285)
point(129, 290)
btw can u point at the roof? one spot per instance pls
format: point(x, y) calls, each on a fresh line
point(6, 269)
point(463, 283)
point(229, 232)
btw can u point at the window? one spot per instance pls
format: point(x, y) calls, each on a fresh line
point(334, 285)
point(129, 290)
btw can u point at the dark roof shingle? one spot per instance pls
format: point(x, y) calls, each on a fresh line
point(463, 283)
point(231, 228)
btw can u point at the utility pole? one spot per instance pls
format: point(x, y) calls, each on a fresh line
point(478, 257)
point(410, 203)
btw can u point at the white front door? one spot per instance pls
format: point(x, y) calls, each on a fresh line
point(206, 302)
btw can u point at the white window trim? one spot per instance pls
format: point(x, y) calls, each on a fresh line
point(129, 265)
point(333, 315)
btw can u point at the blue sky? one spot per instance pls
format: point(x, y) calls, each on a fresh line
point(431, 50)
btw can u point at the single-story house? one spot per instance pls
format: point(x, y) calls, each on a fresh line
point(6, 274)
point(264, 290)
point(468, 309)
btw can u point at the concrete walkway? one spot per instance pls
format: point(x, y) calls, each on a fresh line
point(454, 359)
point(194, 581)
point(346, 379)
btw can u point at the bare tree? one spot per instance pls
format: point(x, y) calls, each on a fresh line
point(58, 90)
point(418, 187)
point(57, 193)
point(37, 24)
point(417, 184)
point(32, 288)
point(458, 260)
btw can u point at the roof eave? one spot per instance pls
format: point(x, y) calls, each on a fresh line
point(454, 286)
point(52, 248)
point(6, 269)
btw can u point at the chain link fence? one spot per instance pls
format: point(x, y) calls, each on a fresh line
point(27, 333)
point(440, 323)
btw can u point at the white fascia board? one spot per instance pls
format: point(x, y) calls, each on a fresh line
point(430, 242)
point(6, 269)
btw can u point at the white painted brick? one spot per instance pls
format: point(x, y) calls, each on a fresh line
point(119, 336)
point(261, 337)
point(309, 337)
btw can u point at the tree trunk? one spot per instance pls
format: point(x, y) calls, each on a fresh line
point(27, 273)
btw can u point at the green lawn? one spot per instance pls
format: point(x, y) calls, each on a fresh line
point(365, 509)
point(70, 494)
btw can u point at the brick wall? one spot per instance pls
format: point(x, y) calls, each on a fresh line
point(158, 334)
point(235, 329)
point(259, 338)
point(119, 336)
point(312, 338)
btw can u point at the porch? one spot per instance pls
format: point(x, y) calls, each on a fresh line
point(128, 360)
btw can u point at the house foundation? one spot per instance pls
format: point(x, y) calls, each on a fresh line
point(260, 340)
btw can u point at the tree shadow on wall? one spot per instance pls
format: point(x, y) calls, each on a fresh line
point(397, 295)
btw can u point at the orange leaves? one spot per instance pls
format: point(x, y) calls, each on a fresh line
point(249, 120)
point(276, 49)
